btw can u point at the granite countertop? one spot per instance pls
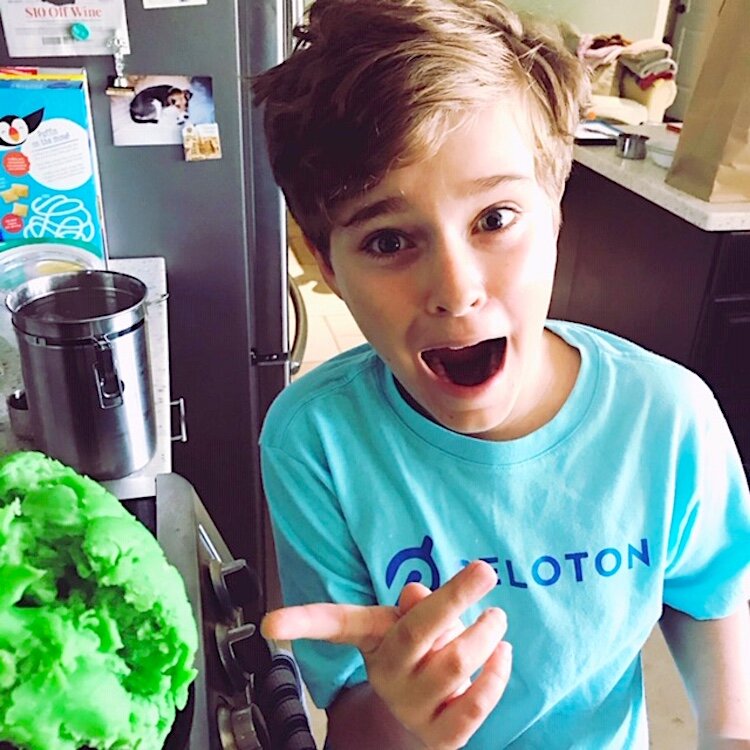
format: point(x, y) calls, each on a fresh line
point(646, 179)
point(152, 271)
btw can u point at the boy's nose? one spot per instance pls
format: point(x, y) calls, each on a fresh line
point(456, 282)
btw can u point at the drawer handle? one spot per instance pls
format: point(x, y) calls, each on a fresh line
point(182, 435)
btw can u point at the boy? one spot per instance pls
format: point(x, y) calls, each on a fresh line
point(423, 147)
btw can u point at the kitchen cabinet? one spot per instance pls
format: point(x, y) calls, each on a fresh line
point(660, 270)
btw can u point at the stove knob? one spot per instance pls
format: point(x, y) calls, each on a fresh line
point(227, 640)
point(236, 586)
point(242, 729)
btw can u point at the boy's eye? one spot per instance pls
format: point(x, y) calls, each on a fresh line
point(496, 218)
point(385, 243)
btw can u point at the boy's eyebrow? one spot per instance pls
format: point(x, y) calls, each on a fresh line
point(482, 184)
point(370, 211)
point(396, 203)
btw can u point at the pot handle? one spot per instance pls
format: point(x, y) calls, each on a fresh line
point(108, 385)
point(158, 299)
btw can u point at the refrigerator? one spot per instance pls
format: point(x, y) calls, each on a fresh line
point(220, 224)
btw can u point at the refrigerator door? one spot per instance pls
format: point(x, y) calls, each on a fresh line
point(267, 257)
point(266, 213)
point(220, 225)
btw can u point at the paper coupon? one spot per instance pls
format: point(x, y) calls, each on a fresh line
point(63, 28)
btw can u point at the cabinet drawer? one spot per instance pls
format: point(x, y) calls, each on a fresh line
point(724, 351)
point(732, 277)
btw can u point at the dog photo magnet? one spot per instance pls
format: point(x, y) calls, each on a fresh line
point(155, 109)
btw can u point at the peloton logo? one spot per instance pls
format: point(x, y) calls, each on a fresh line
point(414, 562)
point(417, 564)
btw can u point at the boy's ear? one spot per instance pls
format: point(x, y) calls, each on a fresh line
point(324, 265)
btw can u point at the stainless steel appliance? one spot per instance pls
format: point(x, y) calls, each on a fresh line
point(220, 225)
point(82, 341)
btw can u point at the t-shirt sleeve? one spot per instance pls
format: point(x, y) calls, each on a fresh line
point(708, 566)
point(318, 562)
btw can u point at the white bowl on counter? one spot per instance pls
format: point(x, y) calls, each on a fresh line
point(661, 148)
point(660, 155)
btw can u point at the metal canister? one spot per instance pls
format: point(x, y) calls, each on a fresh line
point(85, 366)
point(631, 146)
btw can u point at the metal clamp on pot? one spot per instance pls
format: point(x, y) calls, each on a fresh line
point(108, 385)
point(84, 360)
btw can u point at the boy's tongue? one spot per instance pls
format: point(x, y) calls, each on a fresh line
point(468, 366)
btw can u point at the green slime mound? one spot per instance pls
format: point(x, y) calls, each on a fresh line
point(97, 636)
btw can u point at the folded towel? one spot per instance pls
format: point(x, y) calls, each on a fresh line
point(595, 58)
point(598, 51)
point(643, 68)
point(651, 48)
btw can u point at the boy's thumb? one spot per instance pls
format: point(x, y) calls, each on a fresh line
point(412, 594)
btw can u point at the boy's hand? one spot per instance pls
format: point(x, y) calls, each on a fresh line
point(419, 657)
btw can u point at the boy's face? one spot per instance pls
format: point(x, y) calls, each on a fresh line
point(447, 267)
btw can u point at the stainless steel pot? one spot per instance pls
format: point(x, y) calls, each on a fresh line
point(631, 146)
point(85, 365)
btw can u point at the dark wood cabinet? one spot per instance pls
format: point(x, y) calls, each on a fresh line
point(633, 268)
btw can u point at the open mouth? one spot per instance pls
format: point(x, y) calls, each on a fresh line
point(468, 365)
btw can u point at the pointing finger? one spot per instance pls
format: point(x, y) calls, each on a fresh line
point(363, 627)
point(366, 626)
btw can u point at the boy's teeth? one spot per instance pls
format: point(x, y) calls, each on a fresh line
point(469, 365)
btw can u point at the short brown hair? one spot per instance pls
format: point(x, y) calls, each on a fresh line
point(374, 84)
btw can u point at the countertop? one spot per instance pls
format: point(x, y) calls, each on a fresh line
point(646, 179)
point(152, 271)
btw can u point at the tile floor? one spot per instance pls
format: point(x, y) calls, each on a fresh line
point(331, 330)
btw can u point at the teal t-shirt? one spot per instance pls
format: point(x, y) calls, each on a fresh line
point(631, 497)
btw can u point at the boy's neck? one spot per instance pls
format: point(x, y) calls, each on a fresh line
point(557, 376)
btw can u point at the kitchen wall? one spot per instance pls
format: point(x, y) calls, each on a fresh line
point(635, 19)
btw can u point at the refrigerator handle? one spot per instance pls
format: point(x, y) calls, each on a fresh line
point(293, 12)
point(265, 360)
point(297, 353)
point(182, 436)
point(299, 344)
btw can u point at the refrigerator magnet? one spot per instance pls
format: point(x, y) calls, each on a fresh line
point(201, 142)
point(60, 28)
point(152, 110)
